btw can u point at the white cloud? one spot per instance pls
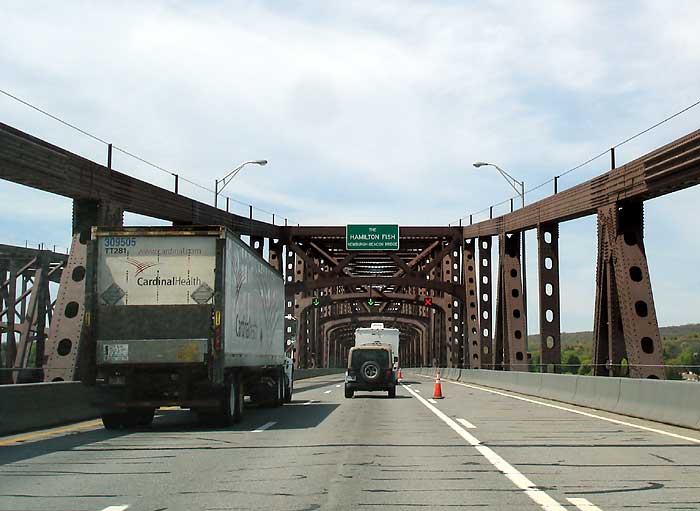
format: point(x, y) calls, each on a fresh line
point(367, 111)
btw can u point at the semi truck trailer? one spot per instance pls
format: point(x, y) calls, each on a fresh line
point(377, 334)
point(182, 316)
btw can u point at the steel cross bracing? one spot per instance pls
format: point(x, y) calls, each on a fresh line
point(26, 308)
point(327, 287)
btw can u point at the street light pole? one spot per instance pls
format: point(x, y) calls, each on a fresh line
point(520, 190)
point(228, 177)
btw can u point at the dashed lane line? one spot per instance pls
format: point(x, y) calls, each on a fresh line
point(337, 386)
point(310, 402)
point(328, 392)
point(580, 412)
point(38, 435)
point(584, 505)
point(265, 426)
point(432, 401)
point(466, 423)
point(537, 495)
point(116, 508)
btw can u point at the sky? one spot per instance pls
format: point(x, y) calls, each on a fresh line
point(367, 111)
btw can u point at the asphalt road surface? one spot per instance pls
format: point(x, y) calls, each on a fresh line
point(475, 449)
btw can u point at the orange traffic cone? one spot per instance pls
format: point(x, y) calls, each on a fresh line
point(437, 393)
point(400, 376)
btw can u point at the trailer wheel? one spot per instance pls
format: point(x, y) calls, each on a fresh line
point(236, 400)
point(287, 390)
point(279, 390)
point(112, 421)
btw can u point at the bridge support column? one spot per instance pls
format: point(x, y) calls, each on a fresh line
point(452, 313)
point(511, 345)
point(550, 333)
point(486, 303)
point(471, 352)
point(257, 243)
point(625, 316)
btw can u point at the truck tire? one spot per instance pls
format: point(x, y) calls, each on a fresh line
point(113, 421)
point(392, 392)
point(145, 417)
point(234, 405)
point(369, 371)
point(279, 397)
point(287, 390)
point(349, 393)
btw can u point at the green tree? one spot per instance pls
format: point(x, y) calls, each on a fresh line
point(586, 368)
point(571, 362)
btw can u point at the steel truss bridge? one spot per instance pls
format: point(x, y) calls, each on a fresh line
point(475, 316)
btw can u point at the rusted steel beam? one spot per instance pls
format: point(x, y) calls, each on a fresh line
point(550, 333)
point(348, 281)
point(471, 351)
point(670, 168)
point(485, 302)
point(408, 232)
point(625, 319)
point(30, 161)
point(511, 315)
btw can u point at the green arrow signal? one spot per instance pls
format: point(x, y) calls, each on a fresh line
point(316, 302)
point(370, 302)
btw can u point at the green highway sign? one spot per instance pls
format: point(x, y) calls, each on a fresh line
point(372, 237)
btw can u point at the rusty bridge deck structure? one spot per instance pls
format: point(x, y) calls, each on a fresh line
point(452, 307)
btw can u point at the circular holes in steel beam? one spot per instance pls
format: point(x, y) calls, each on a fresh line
point(486, 350)
point(485, 333)
point(549, 342)
point(516, 313)
point(484, 262)
point(549, 315)
point(71, 309)
point(515, 293)
point(647, 345)
point(485, 279)
point(78, 273)
point(485, 314)
point(64, 347)
point(548, 289)
point(636, 274)
point(547, 237)
point(548, 263)
point(519, 355)
point(472, 305)
point(518, 334)
point(513, 273)
point(470, 268)
point(485, 297)
point(640, 307)
point(652, 377)
point(630, 238)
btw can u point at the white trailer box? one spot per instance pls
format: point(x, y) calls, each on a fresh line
point(184, 315)
point(376, 333)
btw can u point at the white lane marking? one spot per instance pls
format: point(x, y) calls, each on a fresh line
point(432, 401)
point(311, 401)
point(538, 496)
point(327, 392)
point(337, 386)
point(584, 505)
point(416, 389)
point(579, 412)
point(115, 508)
point(466, 423)
point(264, 427)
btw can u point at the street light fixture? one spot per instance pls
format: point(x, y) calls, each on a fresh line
point(519, 187)
point(228, 177)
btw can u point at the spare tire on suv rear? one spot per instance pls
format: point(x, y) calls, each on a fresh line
point(369, 371)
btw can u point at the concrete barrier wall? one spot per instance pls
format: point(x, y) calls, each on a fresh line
point(42, 405)
point(671, 402)
point(302, 374)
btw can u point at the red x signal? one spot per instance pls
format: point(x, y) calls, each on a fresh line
point(428, 302)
